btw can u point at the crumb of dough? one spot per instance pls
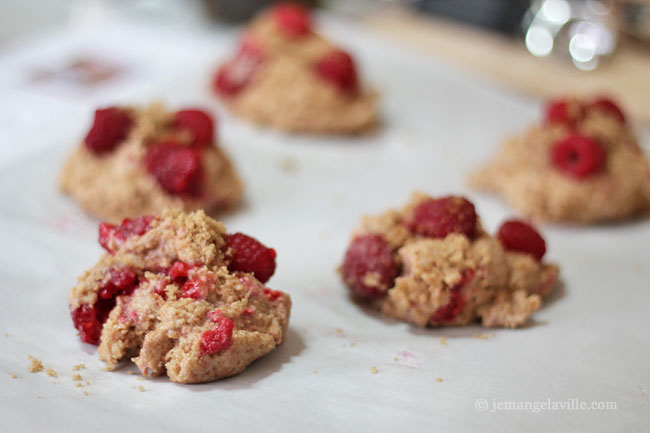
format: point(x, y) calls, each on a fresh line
point(443, 341)
point(439, 379)
point(373, 370)
point(13, 375)
point(54, 382)
point(86, 393)
point(79, 385)
point(315, 371)
point(77, 377)
point(6, 335)
point(396, 358)
point(339, 331)
point(35, 366)
point(481, 336)
point(39, 396)
point(51, 372)
point(134, 387)
point(141, 388)
point(131, 372)
point(79, 367)
point(87, 382)
point(289, 165)
point(140, 378)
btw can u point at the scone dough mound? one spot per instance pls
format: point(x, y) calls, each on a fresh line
point(293, 79)
point(157, 162)
point(179, 296)
point(583, 164)
point(431, 264)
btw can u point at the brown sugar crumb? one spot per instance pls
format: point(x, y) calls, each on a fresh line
point(396, 358)
point(141, 388)
point(79, 385)
point(443, 341)
point(439, 379)
point(79, 367)
point(35, 366)
point(481, 336)
point(373, 370)
point(86, 393)
point(50, 372)
point(13, 375)
point(77, 377)
point(87, 382)
point(339, 331)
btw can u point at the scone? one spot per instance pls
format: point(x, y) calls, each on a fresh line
point(180, 296)
point(431, 264)
point(286, 76)
point(582, 164)
point(137, 161)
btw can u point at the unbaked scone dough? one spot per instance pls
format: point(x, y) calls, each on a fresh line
point(116, 184)
point(447, 280)
point(523, 171)
point(274, 80)
point(167, 296)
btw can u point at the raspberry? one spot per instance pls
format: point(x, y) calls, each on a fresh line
point(178, 272)
point(457, 301)
point(195, 289)
point(249, 255)
point(516, 235)
point(606, 105)
point(122, 281)
point(292, 19)
point(219, 338)
point(369, 268)
point(338, 68)
point(110, 127)
point(199, 123)
point(273, 295)
point(559, 112)
point(176, 168)
point(112, 237)
point(233, 76)
point(437, 218)
point(89, 319)
point(578, 156)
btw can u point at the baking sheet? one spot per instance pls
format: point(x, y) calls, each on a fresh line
point(589, 343)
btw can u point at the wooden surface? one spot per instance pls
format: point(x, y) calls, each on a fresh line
point(626, 76)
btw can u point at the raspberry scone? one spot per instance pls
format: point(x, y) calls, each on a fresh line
point(137, 161)
point(583, 164)
point(431, 264)
point(286, 76)
point(180, 296)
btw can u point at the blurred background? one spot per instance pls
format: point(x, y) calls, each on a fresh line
point(52, 50)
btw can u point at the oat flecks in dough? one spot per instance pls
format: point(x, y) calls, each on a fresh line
point(35, 365)
point(161, 324)
point(286, 93)
point(523, 173)
point(499, 287)
point(116, 185)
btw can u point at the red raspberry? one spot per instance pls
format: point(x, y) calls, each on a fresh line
point(178, 272)
point(559, 112)
point(233, 76)
point(292, 19)
point(195, 289)
point(177, 168)
point(122, 281)
point(338, 68)
point(110, 127)
point(516, 235)
point(437, 218)
point(249, 255)
point(578, 156)
point(369, 268)
point(89, 319)
point(273, 295)
point(457, 301)
point(606, 105)
point(112, 237)
point(219, 338)
point(199, 123)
